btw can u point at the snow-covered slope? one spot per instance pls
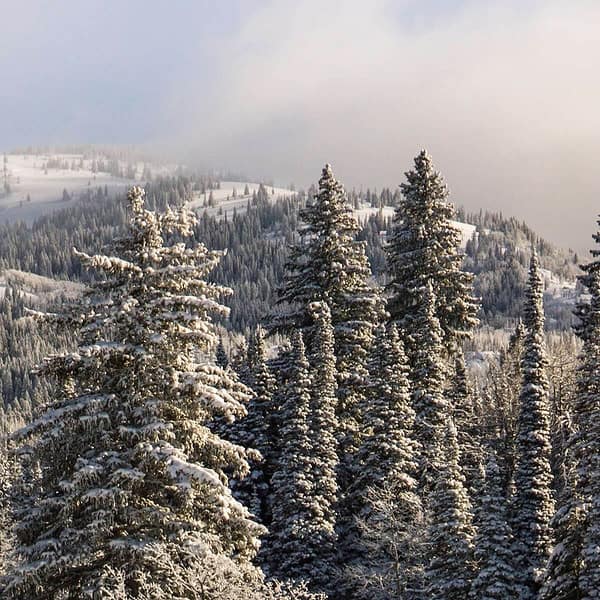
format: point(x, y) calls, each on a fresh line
point(230, 196)
point(35, 287)
point(35, 190)
point(467, 230)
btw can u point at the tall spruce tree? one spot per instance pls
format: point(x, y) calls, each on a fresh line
point(465, 419)
point(574, 568)
point(133, 500)
point(329, 265)
point(8, 473)
point(586, 450)
point(590, 269)
point(388, 452)
point(533, 505)
point(428, 376)
point(324, 426)
point(564, 567)
point(384, 491)
point(589, 577)
point(451, 566)
point(424, 249)
point(493, 554)
point(257, 430)
point(289, 550)
point(303, 537)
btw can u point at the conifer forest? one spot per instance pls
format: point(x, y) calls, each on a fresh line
point(299, 300)
point(340, 430)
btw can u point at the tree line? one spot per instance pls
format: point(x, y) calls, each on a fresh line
point(356, 459)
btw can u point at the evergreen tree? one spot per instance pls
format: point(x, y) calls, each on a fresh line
point(424, 249)
point(7, 476)
point(303, 536)
point(495, 579)
point(533, 502)
point(450, 567)
point(590, 269)
point(328, 265)
point(257, 430)
point(133, 498)
point(324, 426)
point(589, 577)
point(574, 567)
point(565, 563)
point(289, 548)
point(465, 419)
point(428, 378)
point(388, 452)
point(384, 493)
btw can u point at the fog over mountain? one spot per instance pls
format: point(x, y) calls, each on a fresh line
point(504, 95)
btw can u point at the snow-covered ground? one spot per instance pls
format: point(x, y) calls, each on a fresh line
point(36, 191)
point(225, 201)
point(557, 287)
point(36, 287)
point(467, 230)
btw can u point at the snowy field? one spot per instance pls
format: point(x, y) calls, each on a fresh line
point(36, 191)
point(226, 202)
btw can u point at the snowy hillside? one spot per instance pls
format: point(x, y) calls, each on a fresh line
point(30, 188)
point(233, 195)
point(466, 229)
point(34, 287)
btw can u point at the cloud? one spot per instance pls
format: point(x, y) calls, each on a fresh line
point(505, 96)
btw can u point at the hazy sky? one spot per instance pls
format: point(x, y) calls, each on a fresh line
point(505, 94)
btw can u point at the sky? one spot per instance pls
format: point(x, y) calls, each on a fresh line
point(504, 94)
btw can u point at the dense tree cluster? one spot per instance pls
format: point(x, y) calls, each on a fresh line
point(352, 450)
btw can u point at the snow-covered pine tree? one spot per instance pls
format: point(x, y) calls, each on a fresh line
point(384, 492)
point(388, 452)
point(428, 374)
point(577, 553)
point(561, 579)
point(495, 562)
point(134, 501)
point(465, 419)
point(329, 265)
point(573, 570)
point(7, 476)
point(261, 409)
point(289, 548)
point(257, 430)
point(323, 428)
point(303, 537)
point(424, 249)
point(449, 548)
point(589, 270)
point(533, 504)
